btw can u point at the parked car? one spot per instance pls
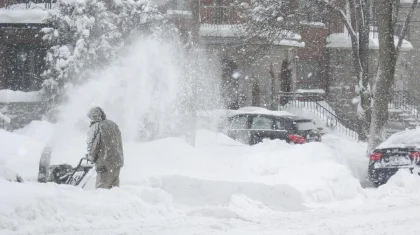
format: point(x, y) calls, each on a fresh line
point(400, 151)
point(253, 127)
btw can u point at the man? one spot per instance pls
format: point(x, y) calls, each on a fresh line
point(104, 146)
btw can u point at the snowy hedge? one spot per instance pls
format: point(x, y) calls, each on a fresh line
point(86, 35)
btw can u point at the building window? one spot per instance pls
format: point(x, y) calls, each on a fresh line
point(24, 65)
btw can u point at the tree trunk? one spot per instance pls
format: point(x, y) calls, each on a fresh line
point(364, 91)
point(274, 85)
point(385, 76)
point(192, 112)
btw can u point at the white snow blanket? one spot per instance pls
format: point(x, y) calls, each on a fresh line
point(408, 138)
point(221, 186)
point(9, 96)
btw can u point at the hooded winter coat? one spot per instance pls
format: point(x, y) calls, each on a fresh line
point(104, 143)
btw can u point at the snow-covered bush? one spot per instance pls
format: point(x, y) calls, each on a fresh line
point(86, 35)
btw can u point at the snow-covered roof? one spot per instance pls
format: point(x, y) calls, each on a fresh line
point(178, 12)
point(288, 38)
point(20, 14)
point(313, 24)
point(343, 41)
point(319, 91)
point(407, 2)
point(408, 138)
point(9, 96)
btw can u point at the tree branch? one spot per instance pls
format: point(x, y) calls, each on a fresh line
point(403, 32)
point(352, 33)
point(397, 11)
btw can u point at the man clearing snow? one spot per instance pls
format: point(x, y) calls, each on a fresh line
point(104, 145)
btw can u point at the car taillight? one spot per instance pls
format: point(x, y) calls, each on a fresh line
point(375, 156)
point(415, 155)
point(297, 139)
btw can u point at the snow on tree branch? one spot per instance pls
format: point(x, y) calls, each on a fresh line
point(268, 19)
point(87, 35)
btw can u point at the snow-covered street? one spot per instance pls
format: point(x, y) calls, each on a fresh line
point(220, 187)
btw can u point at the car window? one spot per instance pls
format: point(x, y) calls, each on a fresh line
point(280, 125)
point(261, 123)
point(239, 123)
point(306, 125)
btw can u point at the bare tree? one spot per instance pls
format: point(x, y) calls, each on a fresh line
point(388, 56)
point(358, 27)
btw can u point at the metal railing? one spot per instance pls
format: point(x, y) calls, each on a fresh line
point(318, 106)
point(402, 100)
point(219, 15)
point(28, 4)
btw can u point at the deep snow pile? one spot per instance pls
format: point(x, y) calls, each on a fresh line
point(220, 178)
point(403, 139)
point(217, 158)
point(47, 208)
point(166, 180)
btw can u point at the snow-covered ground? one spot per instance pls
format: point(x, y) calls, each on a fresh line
point(219, 187)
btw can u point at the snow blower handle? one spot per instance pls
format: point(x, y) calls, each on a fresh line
point(87, 159)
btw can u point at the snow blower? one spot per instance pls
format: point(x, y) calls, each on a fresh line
point(64, 173)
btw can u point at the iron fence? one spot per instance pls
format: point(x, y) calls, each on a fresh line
point(29, 4)
point(318, 106)
point(219, 15)
point(404, 101)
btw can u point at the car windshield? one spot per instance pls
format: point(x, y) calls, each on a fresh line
point(305, 125)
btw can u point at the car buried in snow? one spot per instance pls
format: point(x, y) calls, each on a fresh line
point(253, 126)
point(400, 151)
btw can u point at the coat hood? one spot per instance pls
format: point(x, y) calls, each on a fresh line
point(96, 114)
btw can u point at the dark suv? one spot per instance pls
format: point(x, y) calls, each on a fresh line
point(252, 128)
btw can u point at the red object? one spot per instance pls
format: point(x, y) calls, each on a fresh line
point(297, 139)
point(375, 156)
point(415, 155)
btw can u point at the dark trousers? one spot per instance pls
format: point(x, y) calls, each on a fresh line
point(108, 178)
